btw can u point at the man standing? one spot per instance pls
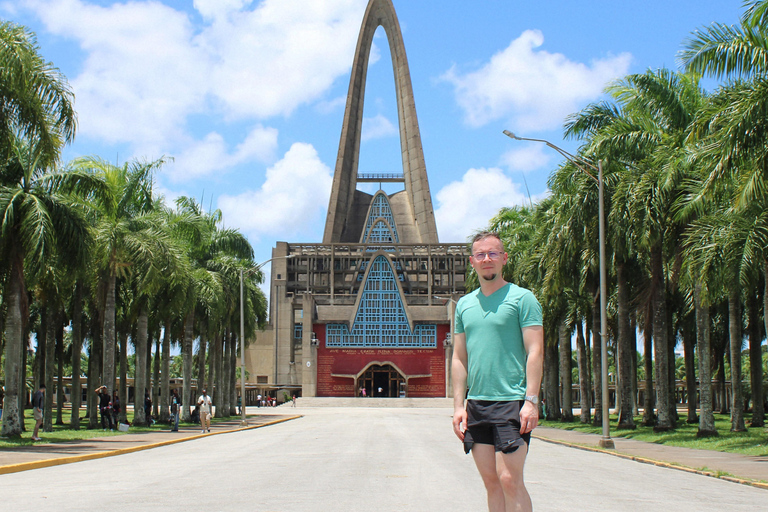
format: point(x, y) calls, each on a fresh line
point(38, 401)
point(205, 411)
point(105, 408)
point(498, 352)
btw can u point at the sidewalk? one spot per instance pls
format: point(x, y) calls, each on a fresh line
point(45, 454)
point(728, 466)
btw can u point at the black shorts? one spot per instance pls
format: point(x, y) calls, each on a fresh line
point(496, 423)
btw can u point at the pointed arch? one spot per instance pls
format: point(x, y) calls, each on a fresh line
point(341, 207)
point(380, 221)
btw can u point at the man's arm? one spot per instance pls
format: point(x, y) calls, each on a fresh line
point(533, 339)
point(459, 378)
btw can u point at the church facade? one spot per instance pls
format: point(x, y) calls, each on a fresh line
point(369, 310)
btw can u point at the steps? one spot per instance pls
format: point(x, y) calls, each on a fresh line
point(372, 402)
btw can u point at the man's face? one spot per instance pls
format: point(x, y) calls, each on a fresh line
point(488, 258)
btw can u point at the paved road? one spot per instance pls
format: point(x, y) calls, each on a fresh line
point(352, 459)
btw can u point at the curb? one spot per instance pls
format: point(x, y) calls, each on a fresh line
point(46, 463)
point(752, 483)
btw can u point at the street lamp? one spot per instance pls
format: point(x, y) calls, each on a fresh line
point(243, 421)
point(605, 441)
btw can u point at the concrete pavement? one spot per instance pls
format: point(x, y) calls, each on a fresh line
point(342, 458)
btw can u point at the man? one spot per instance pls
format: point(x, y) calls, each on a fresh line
point(105, 408)
point(38, 401)
point(174, 411)
point(205, 411)
point(498, 352)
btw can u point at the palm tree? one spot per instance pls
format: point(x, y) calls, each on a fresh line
point(36, 224)
point(129, 235)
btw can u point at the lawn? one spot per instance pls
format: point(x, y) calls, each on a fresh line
point(65, 433)
point(752, 442)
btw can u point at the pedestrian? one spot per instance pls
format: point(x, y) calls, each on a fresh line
point(148, 407)
point(205, 411)
point(498, 354)
point(38, 402)
point(174, 411)
point(258, 401)
point(105, 408)
point(239, 405)
point(293, 399)
point(116, 408)
point(364, 393)
point(2, 401)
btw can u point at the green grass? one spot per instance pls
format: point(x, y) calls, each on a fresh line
point(752, 442)
point(62, 433)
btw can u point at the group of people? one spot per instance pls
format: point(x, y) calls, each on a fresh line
point(266, 401)
point(109, 408)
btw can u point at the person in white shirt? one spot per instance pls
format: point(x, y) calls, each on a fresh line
point(205, 411)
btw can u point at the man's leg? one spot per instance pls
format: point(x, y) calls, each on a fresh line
point(485, 460)
point(509, 468)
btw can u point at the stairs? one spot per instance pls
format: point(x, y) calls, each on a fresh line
point(372, 402)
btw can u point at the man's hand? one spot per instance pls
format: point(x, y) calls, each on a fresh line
point(529, 417)
point(460, 423)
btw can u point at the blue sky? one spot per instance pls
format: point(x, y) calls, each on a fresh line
point(248, 96)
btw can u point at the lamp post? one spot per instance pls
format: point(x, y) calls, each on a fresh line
point(243, 421)
point(605, 441)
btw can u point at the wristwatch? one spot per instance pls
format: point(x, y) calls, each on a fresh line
point(533, 399)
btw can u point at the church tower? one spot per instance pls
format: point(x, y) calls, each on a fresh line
point(412, 208)
point(370, 309)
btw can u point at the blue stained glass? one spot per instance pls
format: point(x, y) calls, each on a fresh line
point(375, 229)
point(380, 320)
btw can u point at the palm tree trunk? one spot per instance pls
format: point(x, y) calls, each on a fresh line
point(165, 386)
point(123, 390)
point(212, 364)
point(201, 365)
point(140, 370)
point(186, 355)
point(17, 307)
point(649, 419)
point(756, 363)
point(551, 379)
point(584, 385)
point(626, 347)
point(60, 372)
point(77, 350)
point(735, 338)
point(50, 361)
point(564, 337)
point(109, 334)
point(660, 343)
point(233, 377)
point(154, 370)
point(690, 375)
point(703, 330)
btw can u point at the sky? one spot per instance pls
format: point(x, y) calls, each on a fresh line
point(245, 98)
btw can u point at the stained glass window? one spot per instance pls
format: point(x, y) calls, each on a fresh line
point(380, 320)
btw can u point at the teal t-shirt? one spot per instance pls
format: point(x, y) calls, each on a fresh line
point(496, 353)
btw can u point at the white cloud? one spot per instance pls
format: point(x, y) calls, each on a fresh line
point(533, 157)
point(377, 127)
point(531, 89)
point(212, 154)
point(294, 195)
point(466, 206)
point(148, 67)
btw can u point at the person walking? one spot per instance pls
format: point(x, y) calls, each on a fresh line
point(148, 407)
point(205, 411)
point(38, 402)
point(174, 411)
point(498, 354)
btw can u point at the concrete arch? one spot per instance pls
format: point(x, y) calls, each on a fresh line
point(342, 202)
